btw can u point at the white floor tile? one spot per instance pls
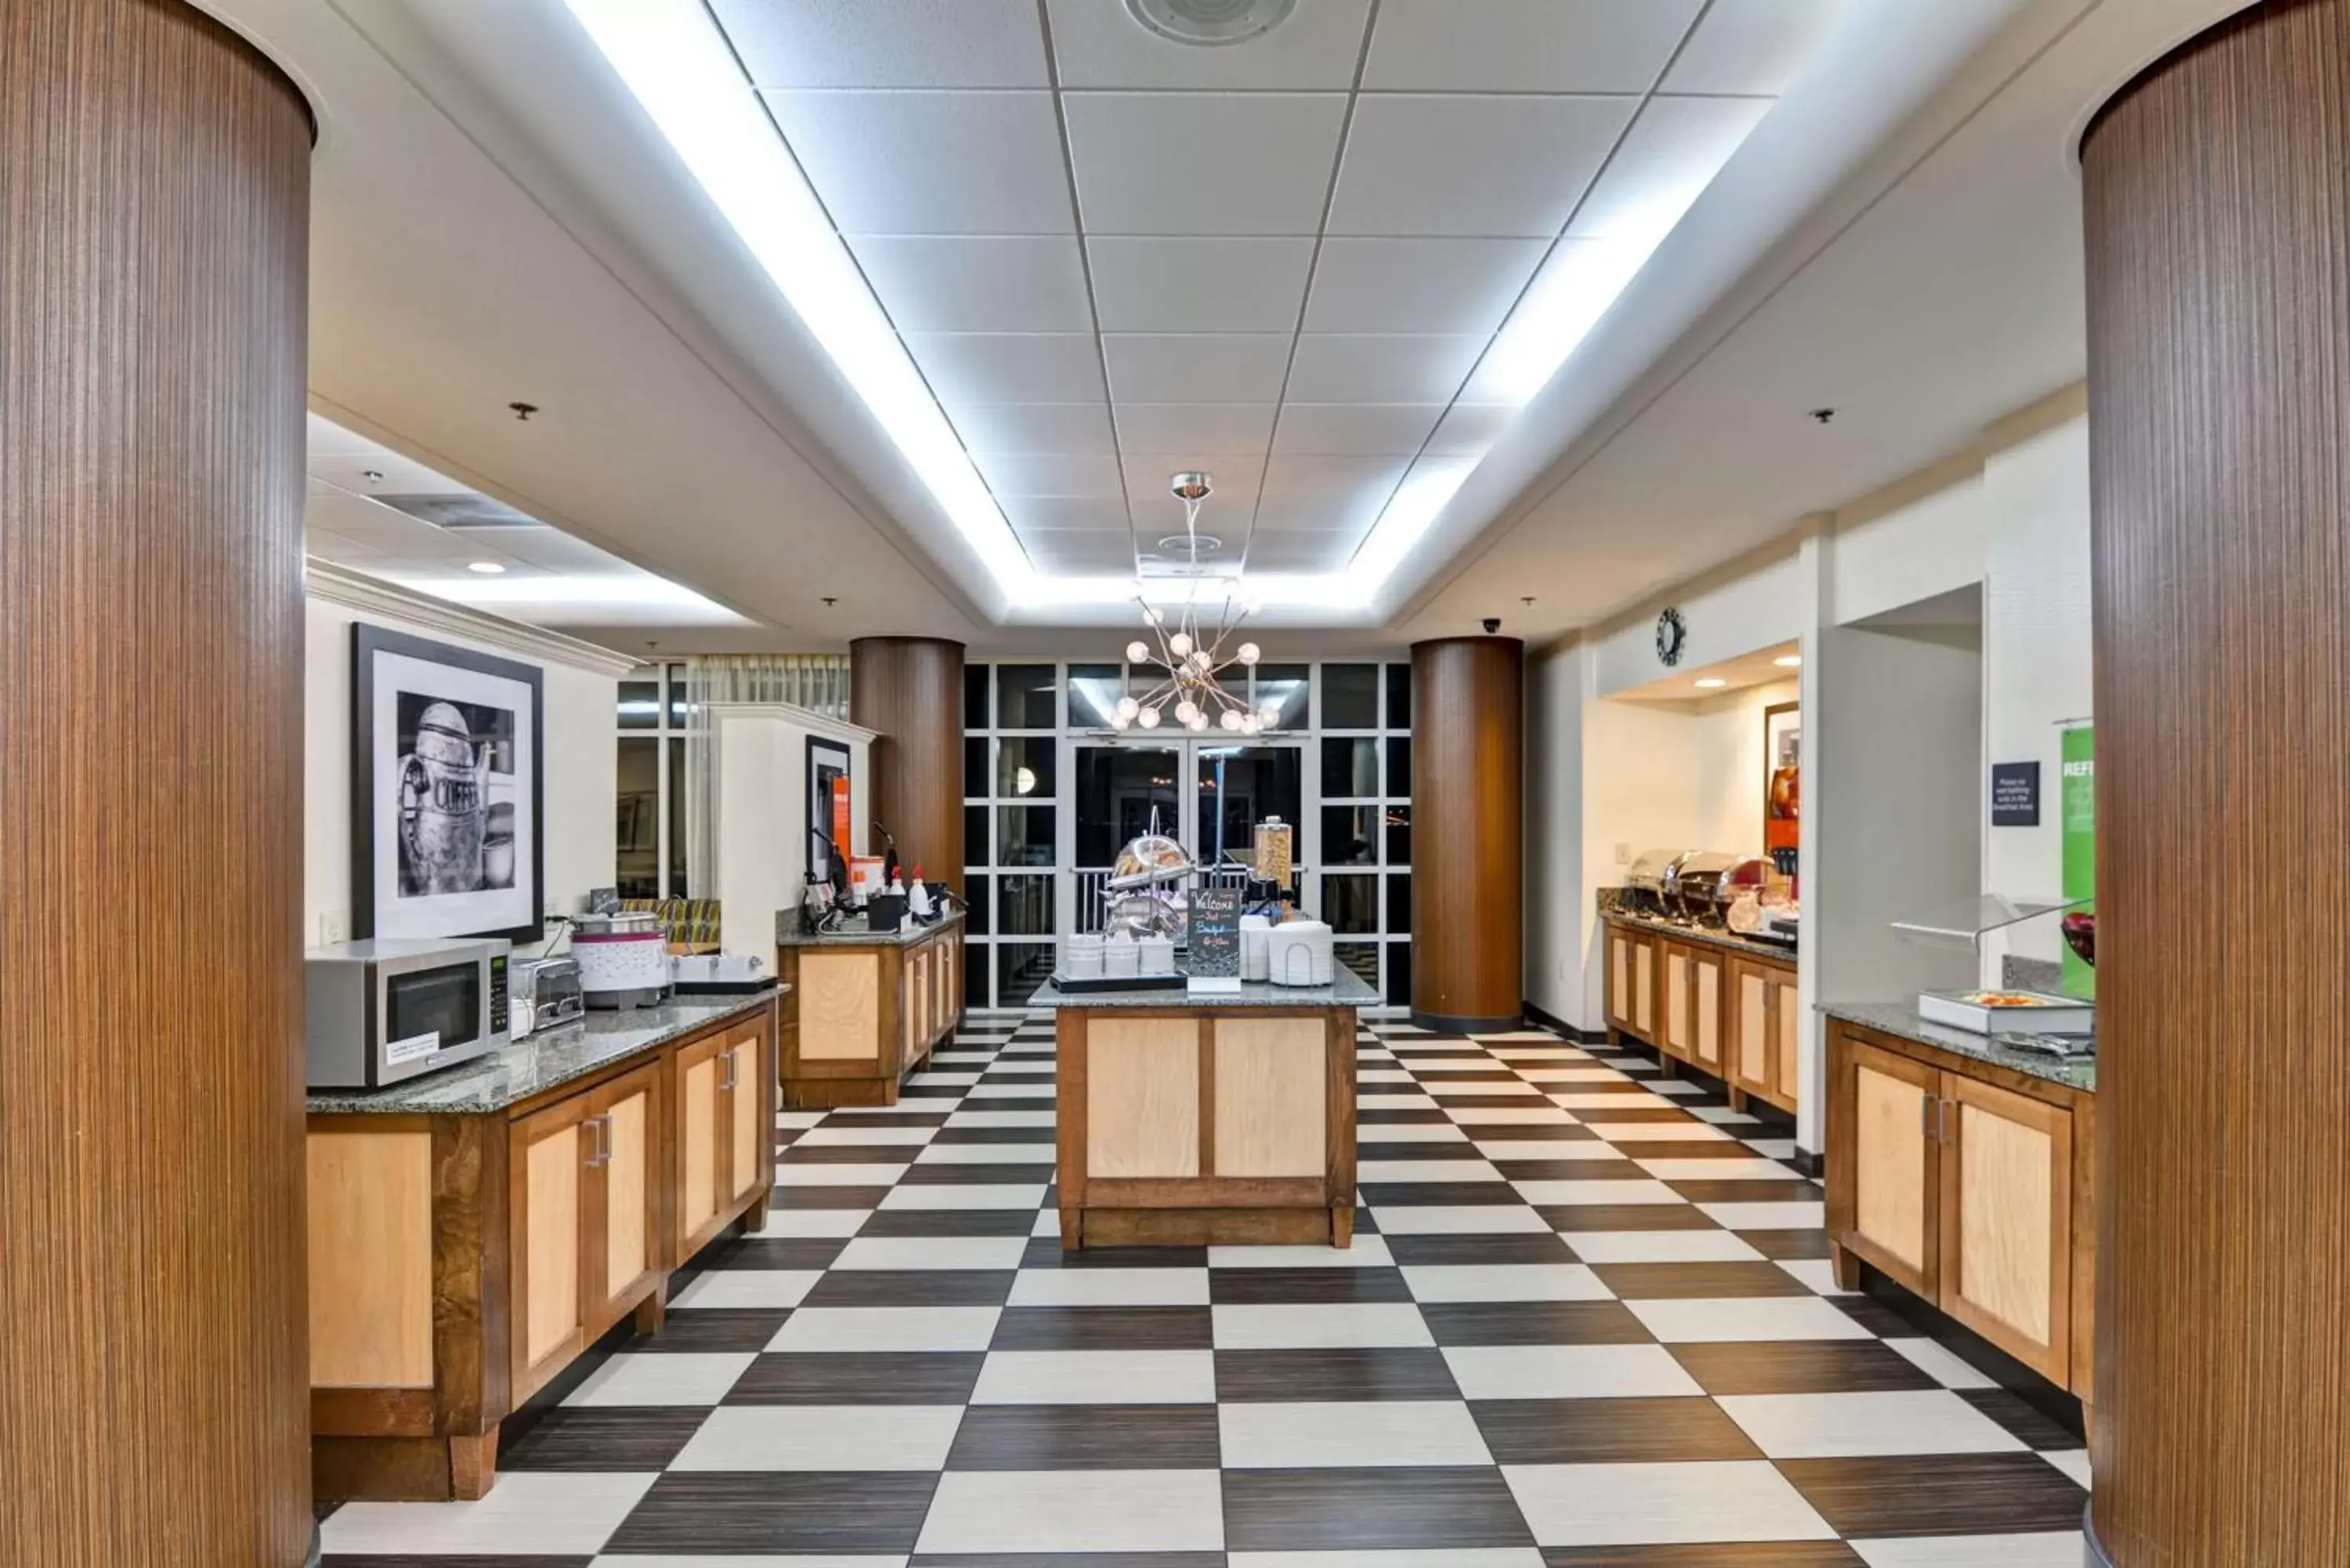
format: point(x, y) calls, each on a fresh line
point(812, 1223)
point(1730, 1169)
point(864, 1329)
point(1563, 1281)
point(1591, 1104)
point(2065, 1549)
point(1534, 1113)
point(966, 1195)
point(1680, 1088)
point(788, 1176)
point(1767, 1216)
point(1368, 1252)
point(1818, 1275)
point(1533, 1034)
point(1530, 1148)
point(1074, 1510)
point(984, 1092)
point(1617, 1505)
point(1369, 1102)
point(1722, 1115)
point(798, 1119)
point(1096, 1377)
point(1368, 1325)
point(1854, 1425)
point(1110, 1287)
point(1038, 1153)
point(1001, 1119)
point(932, 1252)
point(1350, 1435)
point(2074, 1462)
point(1772, 1147)
point(1752, 1318)
point(1408, 1132)
point(552, 1511)
point(1370, 1170)
point(1593, 1073)
point(660, 1377)
point(1656, 1132)
point(1939, 1363)
point(633, 1560)
point(1660, 1247)
point(941, 1080)
point(1458, 1219)
point(1049, 1223)
point(823, 1437)
point(1383, 1075)
point(1461, 1089)
point(1437, 1557)
point(1603, 1191)
point(851, 1133)
point(1568, 1371)
point(747, 1288)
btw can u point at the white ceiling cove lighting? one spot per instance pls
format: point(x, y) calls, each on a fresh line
point(546, 590)
point(488, 568)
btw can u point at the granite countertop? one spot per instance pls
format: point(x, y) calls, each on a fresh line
point(530, 1067)
point(1349, 990)
point(1770, 952)
point(1900, 1020)
point(853, 933)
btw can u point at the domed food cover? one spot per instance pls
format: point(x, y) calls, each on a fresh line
point(1150, 859)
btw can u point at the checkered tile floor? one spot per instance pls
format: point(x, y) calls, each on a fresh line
point(1587, 1319)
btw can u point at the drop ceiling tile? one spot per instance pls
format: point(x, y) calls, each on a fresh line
point(1346, 512)
point(1196, 367)
point(1062, 514)
point(972, 283)
point(1469, 429)
point(1045, 473)
point(1203, 163)
point(1382, 367)
point(1201, 285)
point(1070, 429)
point(1297, 474)
point(1754, 46)
point(1210, 429)
point(1161, 516)
point(393, 474)
point(1524, 45)
point(1671, 153)
point(1419, 285)
point(1487, 165)
point(1085, 550)
point(966, 367)
point(887, 43)
point(1355, 430)
point(1098, 45)
point(1301, 550)
point(322, 435)
point(931, 162)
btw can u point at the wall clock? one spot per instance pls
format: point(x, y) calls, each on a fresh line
point(1672, 636)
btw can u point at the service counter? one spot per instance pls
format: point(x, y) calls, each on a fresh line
point(864, 1008)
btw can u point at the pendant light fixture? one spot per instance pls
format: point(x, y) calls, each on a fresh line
point(1186, 661)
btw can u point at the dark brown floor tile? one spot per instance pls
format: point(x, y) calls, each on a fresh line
point(1397, 1194)
point(714, 1329)
point(1938, 1494)
point(1883, 1318)
point(377, 1560)
point(1295, 1377)
point(892, 1119)
point(789, 1198)
point(606, 1440)
point(1040, 1136)
point(1394, 1509)
point(1664, 1281)
point(1688, 1148)
point(1438, 1251)
point(1573, 1217)
point(1618, 1170)
point(1104, 1328)
point(2040, 1427)
point(1368, 1146)
point(848, 1154)
point(911, 1287)
point(1086, 1438)
point(899, 1222)
point(785, 1253)
point(1800, 1366)
point(1408, 1117)
point(1288, 1286)
point(1494, 1102)
point(1780, 1243)
point(1044, 1252)
point(798, 1513)
point(1530, 1132)
point(1609, 1431)
point(1793, 1189)
point(1428, 1072)
point(844, 1377)
point(1744, 1554)
point(1533, 1322)
point(1068, 1560)
point(948, 1173)
point(1641, 1114)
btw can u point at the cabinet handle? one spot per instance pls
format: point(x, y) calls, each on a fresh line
point(726, 1079)
point(599, 1146)
point(1926, 1104)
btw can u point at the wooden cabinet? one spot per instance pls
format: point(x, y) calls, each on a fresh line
point(721, 1104)
point(1765, 1031)
point(1691, 982)
point(1968, 1184)
point(624, 1244)
point(1722, 1011)
point(862, 1012)
point(1632, 983)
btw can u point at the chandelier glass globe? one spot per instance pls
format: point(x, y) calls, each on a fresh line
point(1128, 708)
point(1186, 710)
point(1148, 717)
point(1179, 645)
point(1250, 653)
point(1229, 718)
point(1137, 652)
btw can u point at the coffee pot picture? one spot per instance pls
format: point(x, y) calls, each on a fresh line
point(444, 807)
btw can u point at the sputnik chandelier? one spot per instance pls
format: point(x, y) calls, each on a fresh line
point(1191, 691)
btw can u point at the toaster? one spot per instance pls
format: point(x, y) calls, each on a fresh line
point(551, 986)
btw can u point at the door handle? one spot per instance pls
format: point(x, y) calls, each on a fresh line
point(726, 1080)
point(598, 1151)
point(1926, 1104)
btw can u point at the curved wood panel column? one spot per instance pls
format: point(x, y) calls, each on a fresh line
point(1468, 777)
point(910, 689)
point(2219, 271)
point(154, 198)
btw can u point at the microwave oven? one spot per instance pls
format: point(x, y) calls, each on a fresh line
point(391, 1008)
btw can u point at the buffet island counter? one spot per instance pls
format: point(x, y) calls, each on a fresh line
point(1964, 1171)
point(473, 1231)
point(864, 1008)
point(1216, 1118)
point(1723, 1003)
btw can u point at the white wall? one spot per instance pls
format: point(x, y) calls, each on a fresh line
point(579, 767)
point(762, 803)
point(1555, 919)
point(1727, 735)
point(1757, 605)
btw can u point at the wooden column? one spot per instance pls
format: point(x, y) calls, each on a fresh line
point(154, 189)
point(910, 689)
point(2219, 280)
point(1468, 867)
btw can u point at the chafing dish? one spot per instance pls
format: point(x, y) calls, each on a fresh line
point(1693, 887)
point(1644, 884)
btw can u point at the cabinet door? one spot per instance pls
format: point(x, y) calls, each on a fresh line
point(2007, 1221)
point(1787, 1034)
point(1644, 988)
point(1619, 979)
point(548, 1159)
point(1751, 1053)
point(700, 1189)
point(1891, 1103)
point(1679, 1028)
point(1705, 1009)
point(621, 1252)
point(744, 1110)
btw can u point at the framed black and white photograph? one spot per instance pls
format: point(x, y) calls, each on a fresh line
point(447, 797)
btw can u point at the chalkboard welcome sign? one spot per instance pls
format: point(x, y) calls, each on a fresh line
point(1215, 948)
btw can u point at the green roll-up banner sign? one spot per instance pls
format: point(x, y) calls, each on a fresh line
point(2077, 801)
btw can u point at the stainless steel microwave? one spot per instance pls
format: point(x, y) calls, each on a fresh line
point(391, 1008)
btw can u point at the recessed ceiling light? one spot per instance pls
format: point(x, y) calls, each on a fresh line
point(488, 568)
point(1789, 661)
point(1711, 682)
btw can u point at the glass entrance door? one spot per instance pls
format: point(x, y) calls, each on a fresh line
point(1208, 795)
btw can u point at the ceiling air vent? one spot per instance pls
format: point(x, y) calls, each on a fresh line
point(1210, 22)
point(463, 512)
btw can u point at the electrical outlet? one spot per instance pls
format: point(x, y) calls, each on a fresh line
point(334, 926)
point(1623, 854)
